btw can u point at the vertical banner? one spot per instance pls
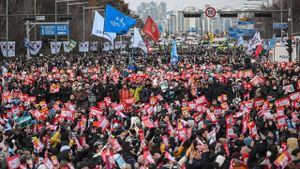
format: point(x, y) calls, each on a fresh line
point(37, 45)
point(106, 46)
point(66, 46)
point(84, 47)
point(55, 47)
point(94, 46)
point(8, 48)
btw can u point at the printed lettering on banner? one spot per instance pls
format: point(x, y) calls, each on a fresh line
point(282, 102)
point(281, 121)
point(94, 111)
point(200, 100)
point(13, 162)
point(104, 124)
point(115, 144)
point(295, 96)
point(229, 132)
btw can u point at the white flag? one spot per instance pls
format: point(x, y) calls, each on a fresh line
point(84, 47)
point(256, 40)
point(37, 45)
point(93, 46)
point(138, 41)
point(66, 46)
point(8, 49)
point(98, 28)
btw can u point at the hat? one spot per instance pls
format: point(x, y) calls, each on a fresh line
point(97, 143)
point(292, 144)
point(64, 148)
point(248, 141)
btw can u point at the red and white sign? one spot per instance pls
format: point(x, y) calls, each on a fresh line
point(210, 12)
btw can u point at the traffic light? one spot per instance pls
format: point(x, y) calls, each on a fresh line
point(29, 18)
point(289, 47)
point(228, 15)
point(263, 15)
point(65, 17)
point(192, 15)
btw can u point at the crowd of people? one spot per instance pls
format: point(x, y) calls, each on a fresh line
point(96, 112)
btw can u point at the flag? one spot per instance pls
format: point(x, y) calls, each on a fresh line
point(55, 47)
point(138, 41)
point(94, 46)
point(84, 46)
point(240, 41)
point(174, 54)
point(8, 48)
point(258, 50)
point(37, 45)
point(98, 28)
point(160, 28)
point(151, 29)
point(256, 40)
point(211, 38)
point(272, 42)
point(117, 22)
point(66, 45)
point(27, 44)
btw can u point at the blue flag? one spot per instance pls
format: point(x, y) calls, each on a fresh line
point(272, 42)
point(28, 45)
point(174, 54)
point(117, 22)
point(240, 41)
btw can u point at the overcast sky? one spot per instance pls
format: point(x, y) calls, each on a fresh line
point(181, 4)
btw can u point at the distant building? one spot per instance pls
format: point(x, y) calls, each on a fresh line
point(158, 12)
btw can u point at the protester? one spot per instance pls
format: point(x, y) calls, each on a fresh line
point(97, 112)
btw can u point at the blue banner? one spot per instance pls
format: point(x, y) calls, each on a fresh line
point(52, 30)
point(246, 22)
point(116, 22)
point(174, 54)
point(236, 32)
point(280, 25)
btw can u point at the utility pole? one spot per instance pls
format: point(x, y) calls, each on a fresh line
point(35, 15)
point(281, 18)
point(290, 22)
point(6, 28)
point(28, 36)
point(55, 10)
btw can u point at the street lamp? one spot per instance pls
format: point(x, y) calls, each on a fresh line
point(83, 17)
point(6, 27)
point(68, 11)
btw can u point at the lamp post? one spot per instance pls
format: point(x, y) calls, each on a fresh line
point(68, 12)
point(83, 18)
point(6, 28)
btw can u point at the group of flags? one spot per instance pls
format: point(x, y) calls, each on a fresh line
point(255, 44)
point(116, 23)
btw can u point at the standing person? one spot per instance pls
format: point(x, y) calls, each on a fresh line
point(125, 93)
